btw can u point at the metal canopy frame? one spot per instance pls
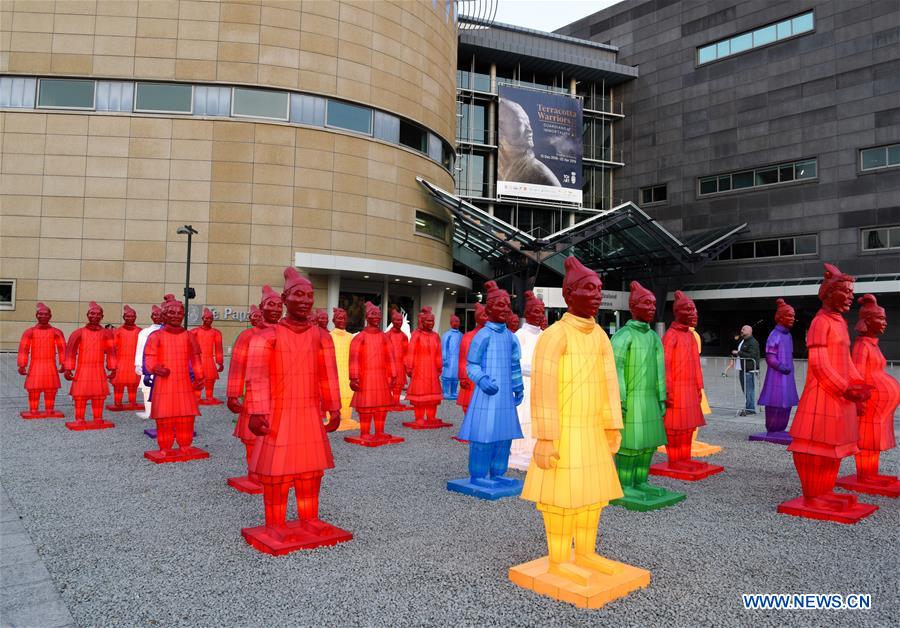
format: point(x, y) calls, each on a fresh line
point(624, 238)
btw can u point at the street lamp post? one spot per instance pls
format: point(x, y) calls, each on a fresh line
point(189, 292)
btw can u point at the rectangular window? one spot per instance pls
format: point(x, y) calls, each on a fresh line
point(767, 175)
point(65, 94)
point(434, 147)
point(470, 175)
point(655, 194)
point(770, 248)
point(7, 294)
point(308, 110)
point(259, 103)
point(413, 137)
point(879, 157)
point(881, 238)
point(387, 127)
point(343, 115)
point(17, 91)
point(212, 101)
point(430, 225)
point(115, 96)
point(755, 38)
point(163, 98)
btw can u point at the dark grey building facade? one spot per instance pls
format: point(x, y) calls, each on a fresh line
point(781, 114)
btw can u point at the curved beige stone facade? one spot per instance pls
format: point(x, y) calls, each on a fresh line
point(91, 201)
point(399, 56)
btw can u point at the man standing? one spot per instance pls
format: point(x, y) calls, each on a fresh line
point(747, 364)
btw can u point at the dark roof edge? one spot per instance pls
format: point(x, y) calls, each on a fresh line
point(545, 35)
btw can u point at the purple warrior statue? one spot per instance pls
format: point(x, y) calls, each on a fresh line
point(779, 392)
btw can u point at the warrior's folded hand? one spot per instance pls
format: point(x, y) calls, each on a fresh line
point(545, 454)
point(518, 396)
point(68, 375)
point(160, 370)
point(259, 424)
point(198, 383)
point(112, 374)
point(22, 370)
point(235, 405)
point(614, 438)
point(334, 421)
point(488, 385)
point(354, 384)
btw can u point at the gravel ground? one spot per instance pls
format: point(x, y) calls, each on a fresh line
point(132, 543)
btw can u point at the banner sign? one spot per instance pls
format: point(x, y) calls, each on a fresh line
point(540, 149)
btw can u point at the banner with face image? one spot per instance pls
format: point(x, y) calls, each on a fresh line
point(540, 147)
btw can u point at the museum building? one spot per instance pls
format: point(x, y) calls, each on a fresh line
point(390, 151)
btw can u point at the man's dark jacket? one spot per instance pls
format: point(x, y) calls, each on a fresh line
point(749, 351)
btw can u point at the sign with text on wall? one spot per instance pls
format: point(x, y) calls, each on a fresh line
point(237, 314)
point(539, 145)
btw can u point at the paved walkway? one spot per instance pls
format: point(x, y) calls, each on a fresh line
point(29, 596)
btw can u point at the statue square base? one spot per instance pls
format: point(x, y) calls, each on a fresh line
point(850, 512)
point(298, 537)
point(497, 491)
point(210, 402)
point(648, 501)
point(699, 449)
point(373, 441)
point(125, 407)
point(244, 484)
point(779, 438)
point(435, 424)
point(347, 424)
point(83, 426)
point(888, 486)
point(458, 439)
point(600, 590)
point(182, 454)
point(699, 471)
point(55, 414)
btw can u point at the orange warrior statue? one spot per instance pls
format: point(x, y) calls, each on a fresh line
point(85, 353)
point(172, 356)
point(876, 425)
point(684, 395)
point(372, 371)
point(125, 339)
point(423, 365)
point(400, 343)
point(576, 416)
point(292, 376)
point(826, 427)
point(342, 338)
point(42, 344)
point(209, 340)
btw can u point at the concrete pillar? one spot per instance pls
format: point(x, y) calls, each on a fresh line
point(434, 296)
point(334, 294)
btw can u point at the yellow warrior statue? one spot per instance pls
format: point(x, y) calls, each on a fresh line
point(576, 417)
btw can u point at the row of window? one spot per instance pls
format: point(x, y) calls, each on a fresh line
point(759, 177)
point(881, 238)
point(654, 194)
point(879, 157)
point(213, 100)
point(756, 38)
point(430, 225)
point(772, 247)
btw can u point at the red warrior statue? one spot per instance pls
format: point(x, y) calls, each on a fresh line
point(684, 386)
point(292, 376)
point(465, 384)
point(87, 348)
point(400, 343)
point(423, 365)
point(513, 322)
point(125, 339)
point(876, 424)
point(171, 356)
point(373, 371)
point(43, 344)
point(826, 428)
point(209, 340)
point(237, 376)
